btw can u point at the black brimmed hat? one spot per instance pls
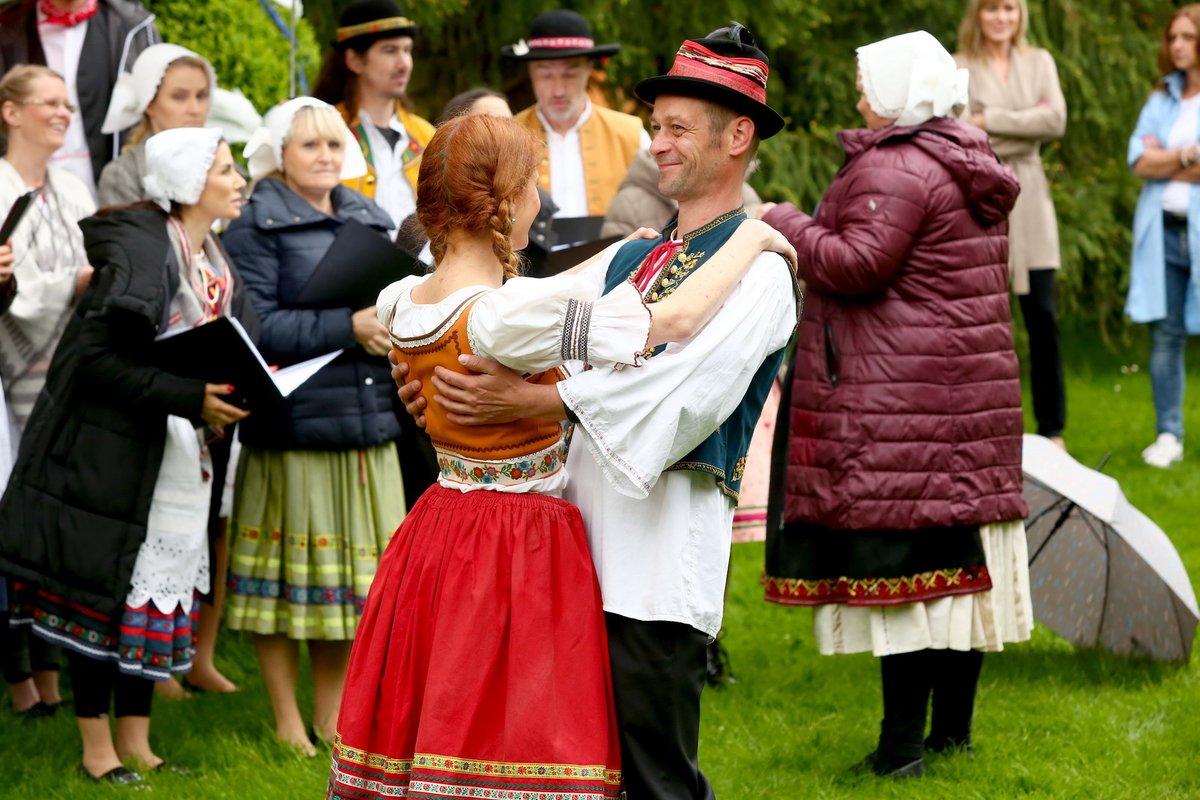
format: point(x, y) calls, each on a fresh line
point(558, 34)
point(367, 21)
point(724, 68)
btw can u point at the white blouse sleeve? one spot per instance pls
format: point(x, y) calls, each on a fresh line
point(638, 423)
point(533, 324)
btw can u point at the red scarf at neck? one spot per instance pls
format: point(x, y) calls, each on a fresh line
point(67, 19)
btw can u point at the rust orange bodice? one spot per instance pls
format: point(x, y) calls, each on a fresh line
point(502, 453)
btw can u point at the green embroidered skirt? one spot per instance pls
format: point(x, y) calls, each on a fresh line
point(307, 531)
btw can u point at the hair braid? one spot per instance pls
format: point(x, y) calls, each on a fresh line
point(501, 225)
point(471, 174)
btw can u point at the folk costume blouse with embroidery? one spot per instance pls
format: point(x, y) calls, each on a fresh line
point(532, 326)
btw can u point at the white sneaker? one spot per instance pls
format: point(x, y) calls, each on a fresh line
point(1166, 450)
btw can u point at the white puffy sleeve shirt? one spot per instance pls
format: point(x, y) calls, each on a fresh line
point(660, 540)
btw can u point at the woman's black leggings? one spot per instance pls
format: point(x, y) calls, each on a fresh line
point(24, 653)
point(96, 683)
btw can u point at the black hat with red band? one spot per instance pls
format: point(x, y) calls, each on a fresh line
point(558, 34)
point(724, 68)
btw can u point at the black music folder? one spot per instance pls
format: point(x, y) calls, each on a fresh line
point(357, 267)
point(221, 352)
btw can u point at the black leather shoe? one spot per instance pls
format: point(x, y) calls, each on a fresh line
point(117, 775)
point(883, 769)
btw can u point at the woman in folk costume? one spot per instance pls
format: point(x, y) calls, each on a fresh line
point(318, 490)
point(168, 87)
point(1016, 99)
point(173, 87)
point(481, 663)
point(51, 269)
point(107, 508)
point(902, 502)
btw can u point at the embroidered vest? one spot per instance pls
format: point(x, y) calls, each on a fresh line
point(419, 134)
point(608, 141)
point(722, 454)
point(510, 453)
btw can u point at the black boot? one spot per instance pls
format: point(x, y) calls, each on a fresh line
point(906, 686)
point(955, 679)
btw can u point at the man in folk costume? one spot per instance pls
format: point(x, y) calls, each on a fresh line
point(89, 43)
point(663, 449)
point(588, 148)
point(366, 76)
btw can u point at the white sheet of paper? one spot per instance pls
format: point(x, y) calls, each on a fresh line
point(289, 379)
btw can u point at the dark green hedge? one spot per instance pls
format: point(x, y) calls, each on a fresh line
point(1104, 49)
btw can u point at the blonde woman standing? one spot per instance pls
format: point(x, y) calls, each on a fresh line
point(1015, 97)
point(50, 271)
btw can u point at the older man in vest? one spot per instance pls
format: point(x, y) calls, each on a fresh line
point(366, 76)
point(588, 148)
point(660, 450)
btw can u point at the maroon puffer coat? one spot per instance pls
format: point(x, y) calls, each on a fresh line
point(906, 402)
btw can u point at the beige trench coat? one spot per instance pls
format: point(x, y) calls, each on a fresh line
point(1019, 114)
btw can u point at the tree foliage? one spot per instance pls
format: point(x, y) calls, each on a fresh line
point(246, 48)
point(1105, 50)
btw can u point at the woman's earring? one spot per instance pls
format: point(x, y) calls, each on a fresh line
point(512, 220)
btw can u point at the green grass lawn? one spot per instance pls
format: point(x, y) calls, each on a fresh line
point(1051, 722)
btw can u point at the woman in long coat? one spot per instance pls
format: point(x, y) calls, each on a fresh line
point(901, 499)
point(106, 512)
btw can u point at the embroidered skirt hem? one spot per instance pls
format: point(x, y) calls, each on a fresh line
point(982, 620)
point(483, 642)
point(142, 640)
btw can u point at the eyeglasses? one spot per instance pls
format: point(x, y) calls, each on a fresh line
point(41, 101)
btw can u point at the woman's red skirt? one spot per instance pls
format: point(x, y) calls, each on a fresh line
point(480, 667)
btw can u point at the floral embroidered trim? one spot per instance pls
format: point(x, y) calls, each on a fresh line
point(465, 766)
point(511, 472)
point(297, 595)
point(877, 591)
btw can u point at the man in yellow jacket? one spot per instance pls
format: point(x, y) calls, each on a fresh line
point(366, 76)
point(588, 147)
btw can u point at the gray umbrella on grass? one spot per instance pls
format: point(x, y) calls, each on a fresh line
point(1101, 572)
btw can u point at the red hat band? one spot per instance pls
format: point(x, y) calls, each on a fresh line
point(561, 43)
point(745, 75)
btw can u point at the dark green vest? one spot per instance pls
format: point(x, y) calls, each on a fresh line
point(723, 454)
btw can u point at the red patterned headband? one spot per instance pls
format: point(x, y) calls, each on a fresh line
point(745, 75)
point(561, 43)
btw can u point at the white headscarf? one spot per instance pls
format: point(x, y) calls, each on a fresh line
point(134, 91)
point(911, 78)
point(177, 164)
point(264, 151)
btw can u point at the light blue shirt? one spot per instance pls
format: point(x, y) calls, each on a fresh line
point(1147, 299)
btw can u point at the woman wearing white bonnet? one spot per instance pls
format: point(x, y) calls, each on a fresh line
point(169, 87)
point(323, 470)
point(904, 367)
point(137, 465)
